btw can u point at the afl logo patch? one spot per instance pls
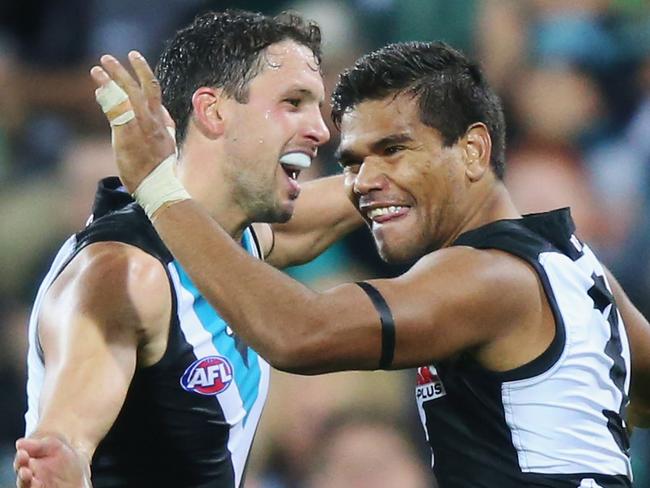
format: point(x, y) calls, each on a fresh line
point(208, 376)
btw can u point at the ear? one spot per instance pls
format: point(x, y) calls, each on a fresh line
point(478, 148)
point(206, 111)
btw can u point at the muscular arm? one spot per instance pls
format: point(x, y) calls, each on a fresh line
point(93, 323)
point(323, 215)
point(443, 305)
point(638, 331)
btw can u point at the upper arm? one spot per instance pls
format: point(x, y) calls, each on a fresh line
point(460, 299)
point(451, 301)
point(94, 319)
point(323, 215)
point(638, 332)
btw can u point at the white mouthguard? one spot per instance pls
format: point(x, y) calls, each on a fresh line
point(297, 159)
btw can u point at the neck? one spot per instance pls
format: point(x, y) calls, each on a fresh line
point(201, 173)
point(494, 204)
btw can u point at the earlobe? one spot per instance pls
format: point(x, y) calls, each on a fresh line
point(478, 147)
point(206, 105)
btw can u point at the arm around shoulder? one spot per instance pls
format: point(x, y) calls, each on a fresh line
point(323, 215)
point(449, 302)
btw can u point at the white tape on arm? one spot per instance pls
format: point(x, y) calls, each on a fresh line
point(160, 187)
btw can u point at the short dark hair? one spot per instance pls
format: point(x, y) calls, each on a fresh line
point(452, 92)
point(222, 49)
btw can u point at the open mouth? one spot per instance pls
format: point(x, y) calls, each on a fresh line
point(386, 213)
point(294, 162)
point(291, 171)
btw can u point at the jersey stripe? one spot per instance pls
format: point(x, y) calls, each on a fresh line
point(243, 401)
point(235, 409)
point(36, 369)
point(557, 435)
point(246, 370)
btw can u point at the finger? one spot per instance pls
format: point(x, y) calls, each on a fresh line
point(99, 76)
point(24, 478)
point(37, 447)
point(33, 468)
point(120, 75)
point(148, 81)
point(20, 459)
point(123, 78)
point(33, 447)
point(112, 99)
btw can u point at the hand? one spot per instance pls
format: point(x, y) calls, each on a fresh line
point(145, 141)
point(49, 462)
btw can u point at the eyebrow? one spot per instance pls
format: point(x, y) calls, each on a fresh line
point(345, 155)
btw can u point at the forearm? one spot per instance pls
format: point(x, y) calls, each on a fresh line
point(288, 324)
point(323, 215)
point(71, 411)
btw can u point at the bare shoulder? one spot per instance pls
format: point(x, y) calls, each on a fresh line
point(459, 299)
point(490, 273)
point(111, 279)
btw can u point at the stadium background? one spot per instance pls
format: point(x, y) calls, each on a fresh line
point(574, 76)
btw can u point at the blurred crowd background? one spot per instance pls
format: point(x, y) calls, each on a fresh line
point(574, 76)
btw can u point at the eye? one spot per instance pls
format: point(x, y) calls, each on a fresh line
point(294, 102)
point(394, 149)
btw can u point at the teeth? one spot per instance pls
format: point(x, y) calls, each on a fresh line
point(298, 159)
point(377, 212)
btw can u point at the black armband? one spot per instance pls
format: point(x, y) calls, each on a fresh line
point(387, 324)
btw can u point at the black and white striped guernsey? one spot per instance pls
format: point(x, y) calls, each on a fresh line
point(556, 422)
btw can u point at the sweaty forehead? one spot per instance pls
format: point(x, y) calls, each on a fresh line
point(372, 120)
point(289, 54)
point(288, 65)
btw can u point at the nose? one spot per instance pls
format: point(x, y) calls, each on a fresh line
point(316, 129)
point(370, 177)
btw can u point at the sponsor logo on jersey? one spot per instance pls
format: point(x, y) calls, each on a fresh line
point(429, 386)
point(208, 376)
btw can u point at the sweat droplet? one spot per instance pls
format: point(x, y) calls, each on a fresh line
point(261, 141)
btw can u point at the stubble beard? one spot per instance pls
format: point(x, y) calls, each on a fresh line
point(260, 204)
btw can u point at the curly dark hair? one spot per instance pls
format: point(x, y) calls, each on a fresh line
point(222, 49)
point(451, 90)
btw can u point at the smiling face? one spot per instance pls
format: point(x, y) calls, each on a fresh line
point(408, 186)
point(282, 116)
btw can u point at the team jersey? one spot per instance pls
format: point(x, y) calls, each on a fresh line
point(189, 420)
point(558, 420)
